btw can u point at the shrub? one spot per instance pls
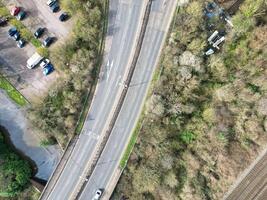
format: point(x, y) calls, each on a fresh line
point(187, 137)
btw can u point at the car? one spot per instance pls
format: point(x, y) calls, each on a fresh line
point(44, 62)
point(50, 2)
point(16, 36)
point(48, 41)
point(63, 17)
point(12, 31)
point(3, 21)
point(14, 11)
point(21, 15)
point(38, 32)
point(48, 69)
point(21, 43)
point(54, 7)
point(98, 194)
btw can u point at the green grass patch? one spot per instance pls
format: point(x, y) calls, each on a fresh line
point(35, 42)
point(12, 92)
point(43, 51)
point(131, 144)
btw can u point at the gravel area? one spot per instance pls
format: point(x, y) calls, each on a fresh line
point(13, 119)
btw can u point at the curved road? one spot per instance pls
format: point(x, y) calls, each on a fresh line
point(124, 24)
point(107, 170)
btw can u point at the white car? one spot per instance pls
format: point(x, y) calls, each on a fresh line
point(50, 2)
point(44, 62)
point(98, 194)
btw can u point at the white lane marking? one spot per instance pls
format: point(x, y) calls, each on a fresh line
point(109, 67)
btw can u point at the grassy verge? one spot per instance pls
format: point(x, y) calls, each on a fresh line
point(131, 144)
point(12, 92)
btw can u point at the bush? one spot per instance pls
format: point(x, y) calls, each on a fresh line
point(14, 172)
point(187, 137)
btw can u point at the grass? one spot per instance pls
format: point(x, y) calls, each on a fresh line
point(131, 144)
point(12, 92)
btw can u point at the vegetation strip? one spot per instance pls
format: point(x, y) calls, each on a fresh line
point(12, 92)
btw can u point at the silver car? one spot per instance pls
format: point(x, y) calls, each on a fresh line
point(98, 194)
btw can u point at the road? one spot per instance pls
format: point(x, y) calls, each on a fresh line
point(124, 24)
point(253, 186)
point(108, 164)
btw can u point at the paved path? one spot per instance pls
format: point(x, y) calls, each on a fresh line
point(13, 119)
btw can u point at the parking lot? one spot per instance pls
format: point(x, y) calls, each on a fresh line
point(30, 82)
point(38, 14)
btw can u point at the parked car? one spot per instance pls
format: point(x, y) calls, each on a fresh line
point(54, 7)
point(21, 43)
point(98, 194)
point(16, 36)
point(48, 41)
point(38, 32)
point(21, 15)
point(14, 11)
point(44, 62)
point(63, 17)
point(48, 69)
point(12, 31)
point(50, 2)
point(3, 21)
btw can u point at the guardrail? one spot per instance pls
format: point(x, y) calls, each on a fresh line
point(121, 100)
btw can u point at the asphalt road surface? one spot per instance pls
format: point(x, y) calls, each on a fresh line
point(124, 23)
point(108, 164)
point(254, 185)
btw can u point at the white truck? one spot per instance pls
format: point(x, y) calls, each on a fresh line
point(34, 60)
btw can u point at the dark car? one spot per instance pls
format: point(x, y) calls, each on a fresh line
point(63, 17)
point(12, 31)
point(16, 36)
point(38, 32)
point(48, 41)
point(54, 7)
point(3, 21)
point(21, 15)
point(48, 69)
point(21, 43)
